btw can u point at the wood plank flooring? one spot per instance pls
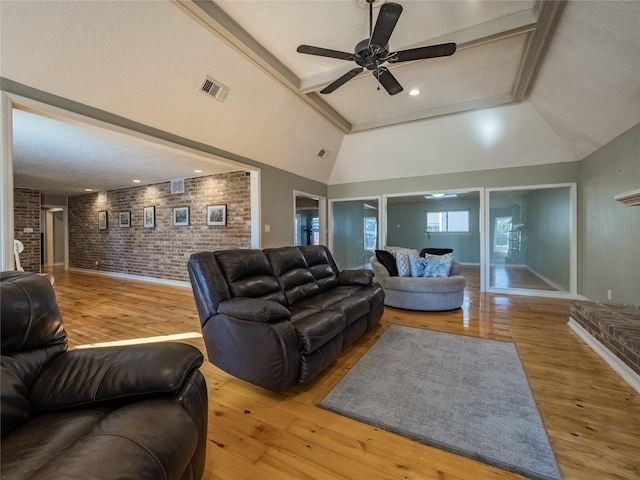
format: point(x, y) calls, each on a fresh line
point(592, 416)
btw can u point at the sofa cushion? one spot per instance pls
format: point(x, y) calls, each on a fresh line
point(315, 327)
point(351, 307)
point(290, 268)
point(321, 265)
point(389, 262)
point(249, 274)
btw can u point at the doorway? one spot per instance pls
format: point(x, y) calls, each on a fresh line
point(308, 219)
point(532, 241)
point(53, 236)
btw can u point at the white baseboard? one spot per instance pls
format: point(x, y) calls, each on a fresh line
point(621, 368)
point(164, 281)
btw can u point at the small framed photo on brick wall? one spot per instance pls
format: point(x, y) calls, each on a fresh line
point(181, 217)
point(124, 219)
point(216, 215)
point(103, 222)
point(149, 217)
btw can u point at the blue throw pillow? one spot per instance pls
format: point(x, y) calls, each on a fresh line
point(418, 265)
point(431, 265)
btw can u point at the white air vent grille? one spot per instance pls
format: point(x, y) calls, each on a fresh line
point(214, 88)
point(177, 186)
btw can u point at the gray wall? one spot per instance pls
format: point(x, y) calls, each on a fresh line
point(567, 172)
point(277, 207)
point(348, 233)
point(406, 224)
point(548, 220)
point(608, 231)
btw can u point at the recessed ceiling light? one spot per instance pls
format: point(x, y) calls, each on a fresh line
point(136, 181)
point(414, 92)
point(88, 189)
point(197, 171)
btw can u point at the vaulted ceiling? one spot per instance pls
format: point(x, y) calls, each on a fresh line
point(531, 82)
point(499, 45)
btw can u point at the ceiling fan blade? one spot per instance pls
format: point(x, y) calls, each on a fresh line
point(432, 51)
point(342, 80)
point(325, 52)
point(388, 81)
point(386, 22)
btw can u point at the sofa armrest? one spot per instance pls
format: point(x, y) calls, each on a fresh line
point(122, 374)
point(254, 309)
point(355, 277)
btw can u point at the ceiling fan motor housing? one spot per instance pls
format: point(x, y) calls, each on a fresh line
point(370, 56)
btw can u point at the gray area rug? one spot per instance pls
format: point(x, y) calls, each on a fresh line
point(466, 395)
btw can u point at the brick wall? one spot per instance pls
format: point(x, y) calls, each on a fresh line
point(161, 251)
point(26, 214)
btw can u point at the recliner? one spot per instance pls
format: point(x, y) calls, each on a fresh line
point(130, 412)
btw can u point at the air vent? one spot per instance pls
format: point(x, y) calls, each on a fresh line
point(323, 153)
point(177, 186)
point(214, 88)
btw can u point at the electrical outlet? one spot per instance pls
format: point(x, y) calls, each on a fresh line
point(609, 294)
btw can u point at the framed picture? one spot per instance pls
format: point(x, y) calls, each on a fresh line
point(149, 217)
point(102, 220)
point(217, 215)
point(124, 219)
point(181, 216)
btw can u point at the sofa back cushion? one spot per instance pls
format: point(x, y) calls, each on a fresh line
point(322, 265)
point(30, 315)
point(32, 336)
point(249, 274)
point(293, 274)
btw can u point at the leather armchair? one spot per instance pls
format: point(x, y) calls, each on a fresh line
point(131, 412)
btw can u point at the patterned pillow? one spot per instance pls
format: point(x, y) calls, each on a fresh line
point(431, 265)
point(402, 261)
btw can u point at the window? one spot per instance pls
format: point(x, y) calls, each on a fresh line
point(449, 221)
point(370, 233)
point(501, 234)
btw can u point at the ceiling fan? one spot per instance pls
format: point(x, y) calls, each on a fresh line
point(371, 53)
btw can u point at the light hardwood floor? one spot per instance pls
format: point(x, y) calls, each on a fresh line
point(591, 415)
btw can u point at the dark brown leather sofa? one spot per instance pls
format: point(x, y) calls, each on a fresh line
point(280, 316)
point(131, 412)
